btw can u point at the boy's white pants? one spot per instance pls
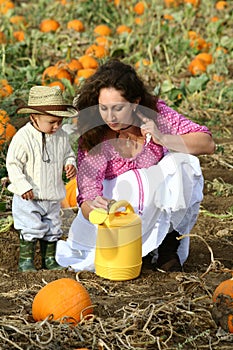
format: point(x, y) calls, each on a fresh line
point(37, 219)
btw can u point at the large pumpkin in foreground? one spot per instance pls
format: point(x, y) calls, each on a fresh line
point(223, 305)
point(64, 297)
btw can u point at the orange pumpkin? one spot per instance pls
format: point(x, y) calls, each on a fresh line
point(2, 38)
point(199, 64)
point(57, 83)
point(192, 34)
point(6, 6)
point(218, 78)
point(88, 62)
point(200, 44)
point(83, 74)
point(5, 88)
point(55, 72)
point(74, 65)
point(221, 50)
point(19, 35)
point(19, 20)
point(62, 298)
point(98, 51)
point(76, 25)
point(103, 30)
point(197, 42)
point(172, 3)
point(197, 67)
point(103, 41)
point(142, 63)
point(214, 19)
point(117, 3)
point(49, 73)
point(221, 5)
point(139, 8)
point(4, 117)
point(49, 25)
point(168, 17)
point(6, 133)
point(223, 305)
point(194, 3)
point(207, 58)
point(71, 193)
point(123, 29)
point(64, 74)
point(138, 21)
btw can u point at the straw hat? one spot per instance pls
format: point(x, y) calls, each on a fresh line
point(47, 100)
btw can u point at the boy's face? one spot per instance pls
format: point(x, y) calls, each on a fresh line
point(46, 123)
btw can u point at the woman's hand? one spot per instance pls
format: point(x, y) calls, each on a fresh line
point(149, 127)
point(98, 202)
point(28, 195)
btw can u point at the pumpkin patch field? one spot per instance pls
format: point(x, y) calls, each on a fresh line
point(183, 49)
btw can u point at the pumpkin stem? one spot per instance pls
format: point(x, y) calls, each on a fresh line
point(68, 54)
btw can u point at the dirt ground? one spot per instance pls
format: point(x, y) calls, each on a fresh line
point(155, 311)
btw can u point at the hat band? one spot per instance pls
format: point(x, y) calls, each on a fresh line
point(45, 108)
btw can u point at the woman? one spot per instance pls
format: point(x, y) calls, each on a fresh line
point(134, 147)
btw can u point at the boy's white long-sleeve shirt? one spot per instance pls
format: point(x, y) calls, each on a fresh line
point(26, 169)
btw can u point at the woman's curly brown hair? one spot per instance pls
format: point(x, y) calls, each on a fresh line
point(113, 74)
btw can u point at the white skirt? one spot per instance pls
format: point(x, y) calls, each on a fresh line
point(167, 196)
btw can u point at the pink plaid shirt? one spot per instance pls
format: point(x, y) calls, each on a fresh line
point(94, 168)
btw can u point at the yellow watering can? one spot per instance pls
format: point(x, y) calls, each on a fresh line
point(118, 254)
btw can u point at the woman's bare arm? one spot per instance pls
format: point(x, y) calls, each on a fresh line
point(194, 143)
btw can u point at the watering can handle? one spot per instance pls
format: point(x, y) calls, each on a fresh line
point(120, 204)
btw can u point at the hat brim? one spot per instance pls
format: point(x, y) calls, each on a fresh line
point(70, 112)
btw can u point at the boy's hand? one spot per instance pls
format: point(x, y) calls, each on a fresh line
point(70, 171)
point(28, 195)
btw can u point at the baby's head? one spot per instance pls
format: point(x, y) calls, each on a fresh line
point(47, 124)
point(47, 108)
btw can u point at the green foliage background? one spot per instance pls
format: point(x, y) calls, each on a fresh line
point(165, 43)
